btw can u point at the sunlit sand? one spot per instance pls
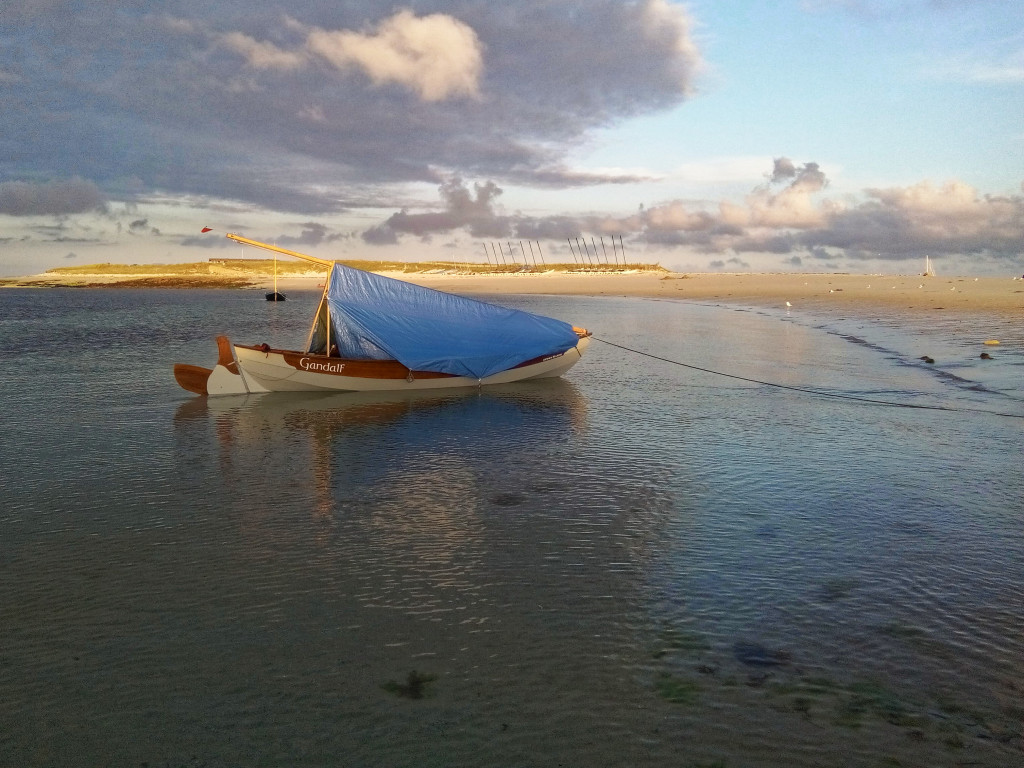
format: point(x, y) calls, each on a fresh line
point(801, 291)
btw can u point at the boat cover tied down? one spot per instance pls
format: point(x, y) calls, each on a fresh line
point(374, 317)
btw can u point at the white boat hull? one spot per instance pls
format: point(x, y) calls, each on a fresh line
point(243, 369)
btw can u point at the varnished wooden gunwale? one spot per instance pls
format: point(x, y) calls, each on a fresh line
point(362, 369)
point(366, 369)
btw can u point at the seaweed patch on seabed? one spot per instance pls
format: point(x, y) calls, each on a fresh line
point(688, 667)
point(414, 687)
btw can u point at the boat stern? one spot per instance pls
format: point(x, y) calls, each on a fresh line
point(225, 378)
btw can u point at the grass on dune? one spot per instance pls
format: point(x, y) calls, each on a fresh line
point(265, 267)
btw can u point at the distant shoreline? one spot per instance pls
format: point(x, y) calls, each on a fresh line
point(809, 291)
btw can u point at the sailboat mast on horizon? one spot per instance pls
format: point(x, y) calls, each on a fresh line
point(929, 269)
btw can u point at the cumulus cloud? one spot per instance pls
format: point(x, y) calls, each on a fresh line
point(788, 216)
point(461, 208)
point(53, 198)
point(783, 170)
point(678, 216)
point(436, 56)
point(950, 219)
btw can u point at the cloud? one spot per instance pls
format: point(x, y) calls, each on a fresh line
point(53, 198)
point(49, 198)
point(312, 234)
point(786, 216)
point(435, 56)
point(461, 208)
point(888, 223)
point(783, 170)
point(922, 218)
point(549, 228)
point(263, 54)
point(141, 226)
point(313, 112)
point(678, 216)
point(382, 234)
point(772, 206)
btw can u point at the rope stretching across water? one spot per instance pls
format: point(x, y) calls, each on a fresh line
point(808, 391)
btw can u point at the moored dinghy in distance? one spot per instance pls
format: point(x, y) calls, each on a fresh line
point(376, 333)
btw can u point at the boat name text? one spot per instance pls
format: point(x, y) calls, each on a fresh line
point(319, 367)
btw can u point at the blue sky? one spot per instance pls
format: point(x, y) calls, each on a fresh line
point(802, 135)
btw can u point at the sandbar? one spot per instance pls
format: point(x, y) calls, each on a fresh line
point(818, 292)
point(815, 291)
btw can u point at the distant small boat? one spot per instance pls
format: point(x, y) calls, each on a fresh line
point(373, 333)
point(929, 268)
point(274, 295)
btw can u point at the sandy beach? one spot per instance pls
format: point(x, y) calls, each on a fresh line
point(810, 291)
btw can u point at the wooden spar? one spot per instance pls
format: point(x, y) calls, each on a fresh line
point(265, 246)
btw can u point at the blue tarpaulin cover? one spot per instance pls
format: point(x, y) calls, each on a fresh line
point(377, 317)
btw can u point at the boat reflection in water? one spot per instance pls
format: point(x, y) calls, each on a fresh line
point(425, 456)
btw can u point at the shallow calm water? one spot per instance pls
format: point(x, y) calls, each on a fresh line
point(639, 564)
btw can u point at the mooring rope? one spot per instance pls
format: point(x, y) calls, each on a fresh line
point(808, 391)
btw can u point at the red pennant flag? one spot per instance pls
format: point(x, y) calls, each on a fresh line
point(206, 229)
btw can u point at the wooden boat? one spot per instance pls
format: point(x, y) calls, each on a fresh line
point(373, 333)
